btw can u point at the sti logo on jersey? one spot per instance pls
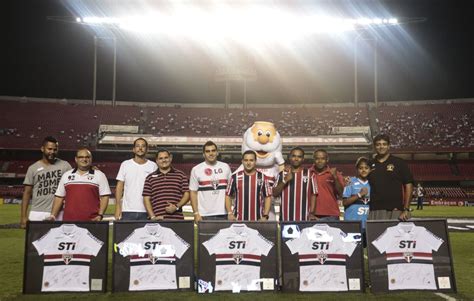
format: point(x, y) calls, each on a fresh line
point(67, 258)
point(151, 245)
point(407, 244)
point(322, 257)
point(320, 245)
point(237, 244)
point(66, 246)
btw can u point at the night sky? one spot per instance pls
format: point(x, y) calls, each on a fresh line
point(433, 59)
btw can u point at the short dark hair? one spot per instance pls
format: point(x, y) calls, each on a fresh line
point(163, 150)
point(49, 139)
point(138, 139)
point(249, 152)
point(361, 160)
point(208, 143)
point(381, 137)
point(296, 148)
point(322, 151)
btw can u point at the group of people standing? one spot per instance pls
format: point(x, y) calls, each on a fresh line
point(382, 188)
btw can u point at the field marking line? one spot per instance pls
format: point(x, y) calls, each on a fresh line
point(446, 297)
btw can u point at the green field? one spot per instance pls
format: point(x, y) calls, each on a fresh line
point(12, 245)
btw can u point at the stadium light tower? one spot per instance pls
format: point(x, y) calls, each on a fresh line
point(114, 71)
point(361, 37)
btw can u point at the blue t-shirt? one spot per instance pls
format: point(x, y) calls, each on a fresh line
point(359, 210)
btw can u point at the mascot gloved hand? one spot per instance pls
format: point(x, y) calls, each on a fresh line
point(263, 138)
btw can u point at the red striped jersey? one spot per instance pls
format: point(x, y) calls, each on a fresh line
point(296, 195)
point(153, 251)
point(166, 188)
point(250, 192)
point(238, 251)
point(408, 250)
point(322, 255)
point(67, 252)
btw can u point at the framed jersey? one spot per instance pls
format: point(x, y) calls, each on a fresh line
point(322, 257)
point(413, 255)
point(237, 257)
point(151, 256)
point(65, 257)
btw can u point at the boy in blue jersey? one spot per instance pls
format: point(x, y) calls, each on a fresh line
point(356, 196)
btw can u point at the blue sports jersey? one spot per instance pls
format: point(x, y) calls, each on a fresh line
point(359, 210)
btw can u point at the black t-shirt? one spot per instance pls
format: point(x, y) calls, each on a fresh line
point(386, 181)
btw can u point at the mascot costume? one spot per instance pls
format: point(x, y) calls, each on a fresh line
point(263, 138)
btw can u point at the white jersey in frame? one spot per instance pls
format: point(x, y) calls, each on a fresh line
point(67, 251)
point(322, 255)
point(153, 252)
point(408, 249)
point(238, 251)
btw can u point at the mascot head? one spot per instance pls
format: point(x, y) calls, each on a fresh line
point(263, 138)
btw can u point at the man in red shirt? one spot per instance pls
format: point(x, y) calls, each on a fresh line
point(330, 186)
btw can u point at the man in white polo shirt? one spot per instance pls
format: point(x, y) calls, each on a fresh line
point(207, 185)
point(130, 181)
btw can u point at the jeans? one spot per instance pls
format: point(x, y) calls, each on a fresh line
point(134, 216)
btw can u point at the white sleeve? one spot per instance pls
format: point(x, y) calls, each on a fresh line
point(193, 180)
point(129, 246)
point(383, 241)
point(93, 243)
point(121, 172)
point(61, 190)
point(432, 240)
point(295, 244)
point(264, 244)
point(179, 244)
point(104, 188)
point(42, 244)
point(214, 244)
point(279, 158)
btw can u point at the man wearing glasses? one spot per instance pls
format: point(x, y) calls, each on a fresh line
point(84, 191)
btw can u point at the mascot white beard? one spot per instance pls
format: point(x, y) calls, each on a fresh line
point(264, 139)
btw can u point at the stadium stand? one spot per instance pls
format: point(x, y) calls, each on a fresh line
point(432, 127)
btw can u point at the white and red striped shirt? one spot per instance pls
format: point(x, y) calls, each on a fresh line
point(210, 182)
point(250, 192)
point(296, 195)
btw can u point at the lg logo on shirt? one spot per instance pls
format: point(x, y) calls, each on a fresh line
point(210, 171)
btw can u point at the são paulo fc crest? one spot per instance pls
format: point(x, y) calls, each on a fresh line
point(215, 184)
point(259, 182)
point(67, 258)
point(390, 167)
point(322, 257)
point(305, 179)
point(237, 257)
point(408, 256)
point(153, 259)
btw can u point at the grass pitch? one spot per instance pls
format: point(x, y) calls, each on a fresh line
point(12, 252)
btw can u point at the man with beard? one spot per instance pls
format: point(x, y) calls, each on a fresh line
point(297, 187)
point(41, 181)
point(251, 190)
point(130, 181)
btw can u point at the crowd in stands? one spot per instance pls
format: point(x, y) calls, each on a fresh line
point(428, 127)
point(412, 127)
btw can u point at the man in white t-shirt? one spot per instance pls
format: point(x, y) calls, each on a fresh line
point(208, 184)
point(130, 181)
